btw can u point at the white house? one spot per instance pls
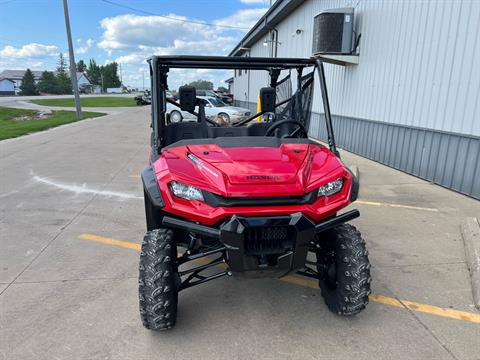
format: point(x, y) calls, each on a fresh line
point(16, 77)
point(11, 80)
point(84, 84)
point(7, 87)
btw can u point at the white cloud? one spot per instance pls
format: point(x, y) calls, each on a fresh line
point(132, 58)
point(131, 39)
point(84, 49)
point(32, 50)
point(130, 31)
point(245, 18)
point(142, 36)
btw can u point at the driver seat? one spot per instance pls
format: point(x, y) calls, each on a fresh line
point(185, 130)
point(258, 129)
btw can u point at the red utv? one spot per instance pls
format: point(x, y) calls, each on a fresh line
point(258, 199)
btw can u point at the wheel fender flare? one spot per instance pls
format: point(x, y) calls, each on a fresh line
point(355, 186)
point(151, 188)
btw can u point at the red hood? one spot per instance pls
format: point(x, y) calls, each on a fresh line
point(290, 169)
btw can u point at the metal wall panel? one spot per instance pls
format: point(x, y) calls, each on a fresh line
point(448, 159)
point(413, 102)
point(417, 62)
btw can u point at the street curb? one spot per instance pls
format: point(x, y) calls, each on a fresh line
point(470, 229)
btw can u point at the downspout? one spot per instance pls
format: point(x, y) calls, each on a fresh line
point(274, 42)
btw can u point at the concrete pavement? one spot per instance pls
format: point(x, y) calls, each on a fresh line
point(62, 296)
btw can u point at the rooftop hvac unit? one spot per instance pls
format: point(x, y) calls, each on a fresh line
point(333, 31)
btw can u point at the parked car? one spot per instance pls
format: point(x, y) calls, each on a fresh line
point(144, 99)
point(214, 107)
point(224, 96)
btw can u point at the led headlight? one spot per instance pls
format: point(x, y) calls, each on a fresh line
point(331, 188)
point(186, 192)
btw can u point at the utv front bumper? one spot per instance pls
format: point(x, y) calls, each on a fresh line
point(264, 246)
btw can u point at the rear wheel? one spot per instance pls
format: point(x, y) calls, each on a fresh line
point(175, 116)
point(343, 260)
point(158, 280)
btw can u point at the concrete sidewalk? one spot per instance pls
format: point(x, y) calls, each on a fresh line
point(63, 296)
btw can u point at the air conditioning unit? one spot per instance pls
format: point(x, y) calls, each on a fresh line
point(333, 31)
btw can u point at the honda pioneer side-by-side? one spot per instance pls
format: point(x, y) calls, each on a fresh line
point(256, 199)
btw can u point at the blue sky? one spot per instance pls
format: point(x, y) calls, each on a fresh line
point(32, 32)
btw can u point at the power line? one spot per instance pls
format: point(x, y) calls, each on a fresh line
point(170, 17)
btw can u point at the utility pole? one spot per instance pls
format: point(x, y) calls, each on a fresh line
point(73, 67)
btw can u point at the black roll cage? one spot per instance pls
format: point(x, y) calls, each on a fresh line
point(160, 66)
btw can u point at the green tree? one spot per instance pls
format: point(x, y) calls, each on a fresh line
point(222, 89)
point(63, 80)
point(94, 73)
point(202, 84)
point(48, 83)
point(110, 76)
point(28, 84)
point(81, 66)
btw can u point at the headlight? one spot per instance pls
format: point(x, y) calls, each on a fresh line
point(331, 188)
point(186, 192)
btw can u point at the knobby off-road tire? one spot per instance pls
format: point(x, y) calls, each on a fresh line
point(346, 286)
point(158, 280)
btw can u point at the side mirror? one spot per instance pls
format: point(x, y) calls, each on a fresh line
point(188, 98)
point(267, 99)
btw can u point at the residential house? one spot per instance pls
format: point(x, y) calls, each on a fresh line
point(7, 87)
point(11, 80)
point(15, 77)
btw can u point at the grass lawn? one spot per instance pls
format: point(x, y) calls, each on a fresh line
point(17, 122)
point(97, 101)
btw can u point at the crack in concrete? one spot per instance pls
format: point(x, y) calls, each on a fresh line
point(425, 264)
point(62, 229)
point(86, 190)
point(417, 319)
point(74, 280)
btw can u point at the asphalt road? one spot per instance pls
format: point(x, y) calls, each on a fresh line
point(68, 290)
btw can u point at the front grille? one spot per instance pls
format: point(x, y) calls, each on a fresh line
point(215, 200)
point(267, 240)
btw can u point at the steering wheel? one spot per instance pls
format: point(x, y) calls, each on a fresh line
point(300, 128)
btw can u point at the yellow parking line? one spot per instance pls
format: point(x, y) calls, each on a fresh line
point(385, 300)
point(109, 241)
point(374, 203)
point(134, 176)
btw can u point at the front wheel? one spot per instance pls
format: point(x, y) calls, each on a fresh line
point(158, 280)
point(342, 258)
point(225, 116)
